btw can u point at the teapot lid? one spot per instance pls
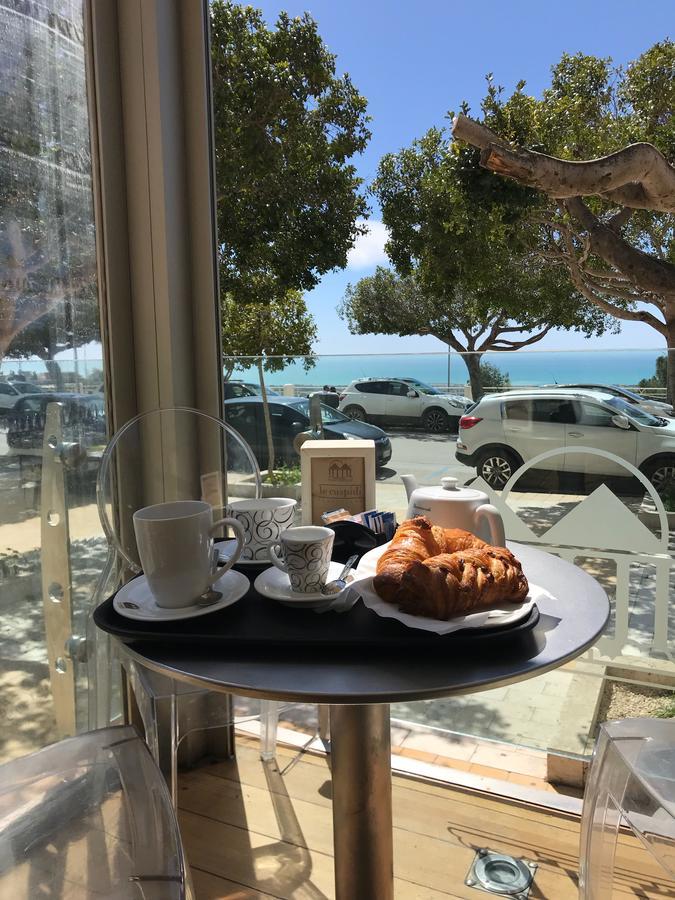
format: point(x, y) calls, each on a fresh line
point(450, 489)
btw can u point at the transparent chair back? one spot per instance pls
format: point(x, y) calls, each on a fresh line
point(631, 785)
point(89, 817)
point(160, 456)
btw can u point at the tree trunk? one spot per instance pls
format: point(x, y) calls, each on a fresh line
point(268, 421)
point(472, 362)
point(55, 373)
point(670, 362)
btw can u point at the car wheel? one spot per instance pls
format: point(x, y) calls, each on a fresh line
point(661, 473)
point(436, 421)
point(496, 467)
point(355, 412)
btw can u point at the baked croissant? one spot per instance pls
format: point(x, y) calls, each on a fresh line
point(444, 572)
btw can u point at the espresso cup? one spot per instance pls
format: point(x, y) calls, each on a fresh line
point(175, 546)
point(263, 521)
point(304, 554)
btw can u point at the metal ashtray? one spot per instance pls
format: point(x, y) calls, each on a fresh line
point(496, 873)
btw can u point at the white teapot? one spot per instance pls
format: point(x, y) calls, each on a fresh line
point(451, 506)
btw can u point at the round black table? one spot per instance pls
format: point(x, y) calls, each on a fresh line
point(359, 694)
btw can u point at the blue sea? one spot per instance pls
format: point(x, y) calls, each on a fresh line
point(524, 367)
point(624, 367)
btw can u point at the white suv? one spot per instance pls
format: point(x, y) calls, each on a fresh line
point(502, 431)
point(402, 401)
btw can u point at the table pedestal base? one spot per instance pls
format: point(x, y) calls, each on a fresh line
point(362, 822)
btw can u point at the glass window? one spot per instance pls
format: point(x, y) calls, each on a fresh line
point(593, 415)
point(329, 416)
point(560, 412)
point(400, 389)
point(635, 412)
point(372, 387)
point(49, 341)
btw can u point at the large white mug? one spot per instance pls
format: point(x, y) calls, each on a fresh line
point(175, 546)
point(303, 553)
point(263, 521)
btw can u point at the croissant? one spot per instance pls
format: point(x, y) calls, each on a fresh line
point(445, 572)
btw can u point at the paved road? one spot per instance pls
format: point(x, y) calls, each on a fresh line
point(429, 457)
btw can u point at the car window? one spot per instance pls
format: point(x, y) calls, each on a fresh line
point(372, 387)
point(234, 391)
point(31, 404)
point(518, 410)
point(423, 388)
point(400, 389)
point(634, 412)
point(329, 416)
point(559, 412)
point(590, 414)
point(7, 389)
point(241, 416)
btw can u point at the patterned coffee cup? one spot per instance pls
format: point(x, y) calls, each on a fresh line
point(263, 522)
point(304, 554)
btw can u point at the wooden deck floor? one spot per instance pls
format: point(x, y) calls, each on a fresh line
point(255, 830)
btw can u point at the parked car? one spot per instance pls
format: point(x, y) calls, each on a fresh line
point(402, 401)
point(234, 389)
point(290, 416)
point(83, 417)
point(502, 431)
point(655, 407)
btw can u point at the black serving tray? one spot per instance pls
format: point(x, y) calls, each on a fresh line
point(260, 622)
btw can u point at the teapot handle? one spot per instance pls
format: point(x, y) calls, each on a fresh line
point(491, 515)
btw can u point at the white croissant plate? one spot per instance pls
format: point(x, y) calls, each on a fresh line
point(496, 617)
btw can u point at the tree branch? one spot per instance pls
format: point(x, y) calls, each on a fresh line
point(638, 176)
point(642, 270)
point(505, 346)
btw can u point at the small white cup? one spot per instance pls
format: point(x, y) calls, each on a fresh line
point(263, 521)
point(305, 554)
point(175, 546)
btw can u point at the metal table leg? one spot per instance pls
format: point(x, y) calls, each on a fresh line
point(362, 823)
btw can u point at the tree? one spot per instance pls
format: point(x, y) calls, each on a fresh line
point(286, 126)
point(595, 155)
point(279, 331)
point(270, 336)
point(493, 377)
point(458, 273)
point(660, 377)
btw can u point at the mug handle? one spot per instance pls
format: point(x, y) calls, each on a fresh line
point(274, 558)
point(491, 515)
point(240, 538)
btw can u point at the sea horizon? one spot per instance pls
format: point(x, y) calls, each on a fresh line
point(524, 367)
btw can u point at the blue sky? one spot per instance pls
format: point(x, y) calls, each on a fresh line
point(414, 61)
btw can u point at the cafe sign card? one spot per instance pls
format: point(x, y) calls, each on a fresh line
point(336, 474)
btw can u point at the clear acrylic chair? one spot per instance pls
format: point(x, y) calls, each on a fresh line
point(631, 784)
point(90, 816)
point(164, 455)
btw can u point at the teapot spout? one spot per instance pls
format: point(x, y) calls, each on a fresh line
point(410, 484)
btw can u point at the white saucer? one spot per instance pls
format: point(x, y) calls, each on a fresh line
point(274, 583)
point(233, 586)
point(226, 549)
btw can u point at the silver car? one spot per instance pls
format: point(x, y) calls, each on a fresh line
point(503, 431)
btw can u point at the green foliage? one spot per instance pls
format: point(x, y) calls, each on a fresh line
point(667, 711)
point(591, 108)
point(285, 128)
point(660, 378)
point(492, 377)
point(463, 268)
point(278, 330)
point(284, 475)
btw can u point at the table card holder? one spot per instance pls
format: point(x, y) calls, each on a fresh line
point(336, 474)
